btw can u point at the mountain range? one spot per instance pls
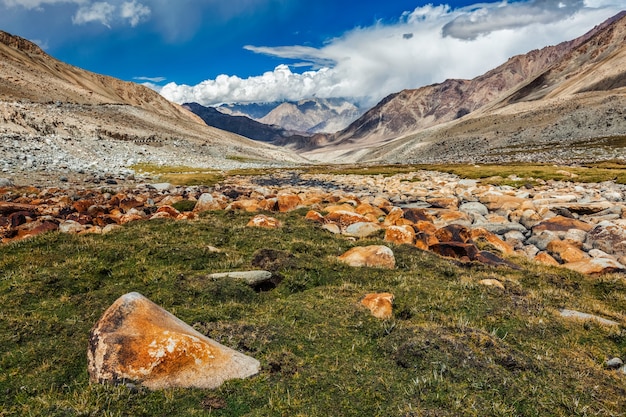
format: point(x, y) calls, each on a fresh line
point(570, 95)
point(561, 103)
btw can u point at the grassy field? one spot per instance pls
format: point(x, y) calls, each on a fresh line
point(453, 347)
point(496, 174)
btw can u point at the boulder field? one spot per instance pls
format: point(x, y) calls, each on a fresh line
point(579, 226)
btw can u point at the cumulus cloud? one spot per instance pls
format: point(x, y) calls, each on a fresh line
point(424, 46)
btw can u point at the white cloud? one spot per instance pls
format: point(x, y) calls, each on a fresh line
point(375, 61)
point(36, 4)
point(134, 12)
point(96, 12)
point(150, 79)
point(107, 13)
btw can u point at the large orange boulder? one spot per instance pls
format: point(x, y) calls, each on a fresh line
point(375, 256)
point(136, 340)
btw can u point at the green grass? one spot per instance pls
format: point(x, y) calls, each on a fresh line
point(453, 347)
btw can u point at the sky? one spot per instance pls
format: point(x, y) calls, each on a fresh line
point(223, 51)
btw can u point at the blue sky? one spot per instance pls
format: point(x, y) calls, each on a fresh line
point(213, 51)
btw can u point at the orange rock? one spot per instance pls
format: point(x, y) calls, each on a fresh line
point(288, 202)
point(129, 203)
point(567, 251)
point(445, 217)
point(366, 208)
point(169, 210)
point(376, 256)
point(136, 340)
point(444, 202)
point(345, 218)
point(381, 203)
point(482, 234)
point(314, 216)
point(400, 234)
point(262, 220)
point(424, 240)
point(381, 304)
point(394, 216)
point(596, 266)
point(562, 224)
point(82, 206)
point(249, 205)
point(501, 202)
point(425, 226)
point(546, 258)
point(269, 204)
point(344, 207)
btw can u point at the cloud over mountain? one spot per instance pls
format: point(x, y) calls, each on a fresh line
point(424, 46)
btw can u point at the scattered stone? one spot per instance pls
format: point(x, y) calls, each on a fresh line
point(252, 278)
point(5, 182)
point(362, 229)
point(596, 266)
point(380, 305)
point(261, 220)
point(375, 256)
point(614, 363)
point(491, 283)
point(136, 340)
point(585, 316)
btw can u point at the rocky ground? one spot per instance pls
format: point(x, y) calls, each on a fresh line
point(575, 225)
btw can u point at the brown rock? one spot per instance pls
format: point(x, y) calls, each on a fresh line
point(343, 208)
point(566, 251)
point(314, 216)
point(417, 215)
point(365, 209)
point(400, 234)
point(8, 207)
point(288, 202)
point(345, 218)
point(269, 204)
point(424, 240)
point(261, 220)
point(381, 304)
point(479, 234)
point(462, 251)
point(546, 258)
point(246, 204)
point(561, 224)
point(451, 203)
point(375, 256)
point(137, 340)
point(129, 203)
point(82, 206)
point(173, 213)
point(501, 202)
point(394, 216)
point(454, 233)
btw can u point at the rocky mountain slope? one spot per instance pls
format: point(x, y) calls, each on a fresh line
point(314, 115)
point(572, 91)
point(241, 125)
point(54, 116)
